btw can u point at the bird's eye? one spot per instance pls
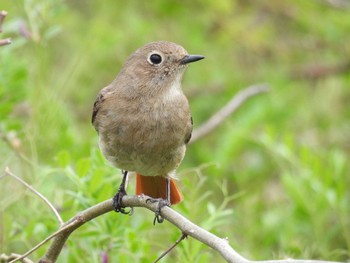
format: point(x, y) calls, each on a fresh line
point(155, 59)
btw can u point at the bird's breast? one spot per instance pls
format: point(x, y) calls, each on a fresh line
point(147, 135)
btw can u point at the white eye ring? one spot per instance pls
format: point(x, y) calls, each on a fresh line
point(155, 58)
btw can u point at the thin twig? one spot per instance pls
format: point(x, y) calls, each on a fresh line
point(59, 231)
point(31, 188)
point(183, 236)
point(5, 41)
point(227, 110)
point(5, 258)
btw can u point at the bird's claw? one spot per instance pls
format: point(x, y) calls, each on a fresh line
point(161, 203)
point(117, 203)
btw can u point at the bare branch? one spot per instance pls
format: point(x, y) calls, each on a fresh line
point(5, 41)
point(187, 227)
point(57, 244)
point(227, 110)
point(183, 236)
point(5, 258)
point(31, 188)
point(59, 231)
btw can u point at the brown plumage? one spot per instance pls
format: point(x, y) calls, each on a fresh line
point(143, 118)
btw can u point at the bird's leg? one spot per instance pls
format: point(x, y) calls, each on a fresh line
point(117, 199)
point(161, 203)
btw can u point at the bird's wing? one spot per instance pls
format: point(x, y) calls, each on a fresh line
point(189, 132)
point(97, 106)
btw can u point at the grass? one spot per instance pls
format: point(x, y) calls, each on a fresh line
point(273, 178)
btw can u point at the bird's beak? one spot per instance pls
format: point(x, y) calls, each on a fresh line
point(190, 58)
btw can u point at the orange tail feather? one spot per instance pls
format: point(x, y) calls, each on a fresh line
point(155, 187)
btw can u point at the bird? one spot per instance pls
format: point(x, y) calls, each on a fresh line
point(144, 122)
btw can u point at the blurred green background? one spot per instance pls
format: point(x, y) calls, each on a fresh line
point(273, 179)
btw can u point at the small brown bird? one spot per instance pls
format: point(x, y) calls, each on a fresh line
point(144, 121)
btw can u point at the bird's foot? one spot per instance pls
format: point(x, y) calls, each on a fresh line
point(117, 203)
point(161, 203)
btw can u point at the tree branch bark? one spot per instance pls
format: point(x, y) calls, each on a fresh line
point(221, 245)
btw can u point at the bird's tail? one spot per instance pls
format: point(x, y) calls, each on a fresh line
point(155, 187)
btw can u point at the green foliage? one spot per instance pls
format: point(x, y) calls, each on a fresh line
point(273, 179)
